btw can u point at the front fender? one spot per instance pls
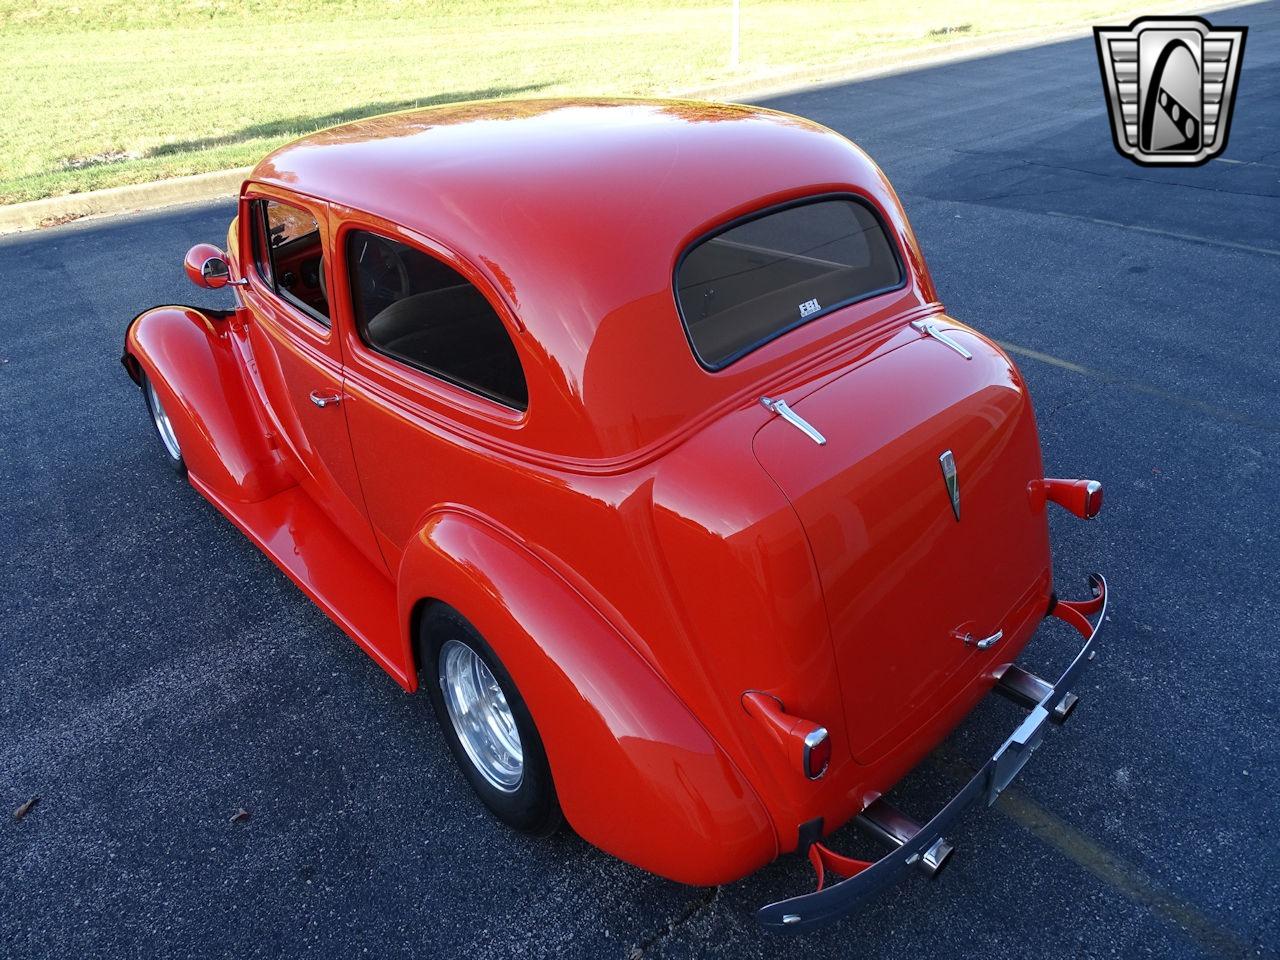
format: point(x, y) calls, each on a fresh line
point(189, 357)
point(636, 773)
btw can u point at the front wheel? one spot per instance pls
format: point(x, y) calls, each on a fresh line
point(164, 426)
point(486, 723)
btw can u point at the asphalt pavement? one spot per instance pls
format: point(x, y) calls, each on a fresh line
point(158, 675)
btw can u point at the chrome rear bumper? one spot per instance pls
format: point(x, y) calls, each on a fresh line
point(925, 846)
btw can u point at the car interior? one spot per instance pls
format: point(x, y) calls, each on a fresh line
point(296, 265)
point(408, 305)
point(414, 308)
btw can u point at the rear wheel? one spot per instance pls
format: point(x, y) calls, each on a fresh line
point(486, 723)
point(164, 426)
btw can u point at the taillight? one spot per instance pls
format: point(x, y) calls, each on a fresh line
point(1092, 499)
point(802, 740)
point(817, 753)
point(1081, 497)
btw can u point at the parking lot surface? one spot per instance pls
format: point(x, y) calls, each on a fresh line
point(158, 674)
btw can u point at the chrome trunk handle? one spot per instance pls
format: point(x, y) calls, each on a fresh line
point(781, 408)
point(985, 643)
point(929, 328)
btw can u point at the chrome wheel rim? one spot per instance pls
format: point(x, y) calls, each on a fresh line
point(163, 426)
point(481, 716)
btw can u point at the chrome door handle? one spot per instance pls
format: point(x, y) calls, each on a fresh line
point(985, 643)
point(325, 399)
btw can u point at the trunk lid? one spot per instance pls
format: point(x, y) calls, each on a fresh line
point(902, 578)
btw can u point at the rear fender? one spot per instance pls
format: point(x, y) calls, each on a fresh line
point(636, 773)
point(189, 357)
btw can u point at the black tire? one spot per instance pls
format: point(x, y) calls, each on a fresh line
point(169, 446)
point(531, 807)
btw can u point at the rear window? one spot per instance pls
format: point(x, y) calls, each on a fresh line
point(742, 287)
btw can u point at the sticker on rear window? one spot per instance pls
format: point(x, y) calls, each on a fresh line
point(809, 308)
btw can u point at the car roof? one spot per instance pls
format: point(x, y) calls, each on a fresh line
point(577, 211)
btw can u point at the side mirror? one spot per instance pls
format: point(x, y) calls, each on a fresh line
point(207, 266)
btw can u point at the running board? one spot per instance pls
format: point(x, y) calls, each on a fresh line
point(1027, 691)
point(888, 823)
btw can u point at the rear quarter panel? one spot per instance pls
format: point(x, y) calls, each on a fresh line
point(636, 772)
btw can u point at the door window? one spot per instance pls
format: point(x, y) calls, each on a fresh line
point(411, 307)
point(290, 257)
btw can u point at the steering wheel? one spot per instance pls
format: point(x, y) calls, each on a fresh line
point(380, 274)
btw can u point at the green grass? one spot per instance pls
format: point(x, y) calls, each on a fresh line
point(98, 94)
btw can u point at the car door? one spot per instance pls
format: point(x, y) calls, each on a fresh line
point(297, 357)
point(432, 372)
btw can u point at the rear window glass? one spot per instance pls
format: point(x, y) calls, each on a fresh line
point(746, 285)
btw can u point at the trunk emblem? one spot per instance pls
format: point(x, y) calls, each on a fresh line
point(948, 463)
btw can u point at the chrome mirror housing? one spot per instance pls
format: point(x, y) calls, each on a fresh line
point(207, 266)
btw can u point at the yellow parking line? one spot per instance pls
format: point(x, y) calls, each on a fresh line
point(1123, 877)
point(1173, 235)
point(1210, 409)
point(1048, 358)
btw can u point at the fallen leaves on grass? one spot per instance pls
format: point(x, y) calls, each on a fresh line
point(99, 159)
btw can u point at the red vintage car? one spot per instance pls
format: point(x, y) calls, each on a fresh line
point(635, 433)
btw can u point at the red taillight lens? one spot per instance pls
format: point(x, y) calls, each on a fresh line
point(817, 753)
point(812, 748)
point(1081, 497)
point(1092, 499)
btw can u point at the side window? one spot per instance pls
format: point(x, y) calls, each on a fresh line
point(290, 257)
point(415, 309)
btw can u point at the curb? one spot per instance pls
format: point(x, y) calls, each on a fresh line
point(53, 211)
